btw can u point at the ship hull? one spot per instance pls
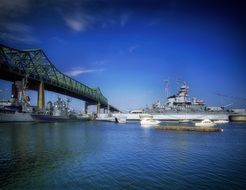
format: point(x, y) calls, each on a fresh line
point(51, 118)
point(82, 118)
point(109, 119)
point(193, 117)
point(16, 117)
point(180, 116)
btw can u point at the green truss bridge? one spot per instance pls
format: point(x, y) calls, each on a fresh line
point(42, 75)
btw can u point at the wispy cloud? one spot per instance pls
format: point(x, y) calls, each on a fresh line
point(78, 22)
point(78, 71)
point(82, 16)
point(101, 62)
point(11, 29)
point(131, 49)
point(13, 8)
point(124, 18)
point(17, 27)
point(17, 32)
point(58, 40)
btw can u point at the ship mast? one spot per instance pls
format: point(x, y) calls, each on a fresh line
point(166, 90)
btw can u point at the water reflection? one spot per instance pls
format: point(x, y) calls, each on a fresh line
point(34, 149)
point(96, 155)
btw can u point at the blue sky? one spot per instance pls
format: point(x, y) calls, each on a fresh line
point(128, 48)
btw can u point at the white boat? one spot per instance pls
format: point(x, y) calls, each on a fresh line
point(149, 121)
point(221, 121)
point(205, 123)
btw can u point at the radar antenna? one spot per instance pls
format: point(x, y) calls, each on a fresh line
point(166, 89)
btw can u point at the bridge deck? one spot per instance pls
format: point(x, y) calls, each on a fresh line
point(36, 66)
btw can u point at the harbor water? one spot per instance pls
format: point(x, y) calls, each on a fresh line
point(101, 155)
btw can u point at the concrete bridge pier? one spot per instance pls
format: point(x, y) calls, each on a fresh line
point(98, 107)
point(108, 110)
point(86, 107)
point(17, 91)
point(41, 96)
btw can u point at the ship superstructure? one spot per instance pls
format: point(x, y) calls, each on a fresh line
point(59, 111)
point(179, 102)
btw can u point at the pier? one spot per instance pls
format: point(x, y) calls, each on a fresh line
point(190, 128)
point(35, 66)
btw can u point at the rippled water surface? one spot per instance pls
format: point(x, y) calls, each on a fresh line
point(100, 155)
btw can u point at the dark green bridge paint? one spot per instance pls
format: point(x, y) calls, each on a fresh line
point(36, 66)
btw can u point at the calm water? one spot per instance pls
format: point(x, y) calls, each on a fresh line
point(98, 155)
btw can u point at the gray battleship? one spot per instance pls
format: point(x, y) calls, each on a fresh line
point(59, 111)
point(179, 107)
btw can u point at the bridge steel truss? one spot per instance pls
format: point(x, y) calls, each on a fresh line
point(34, 65)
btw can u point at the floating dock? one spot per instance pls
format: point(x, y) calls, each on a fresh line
point(190, 128)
